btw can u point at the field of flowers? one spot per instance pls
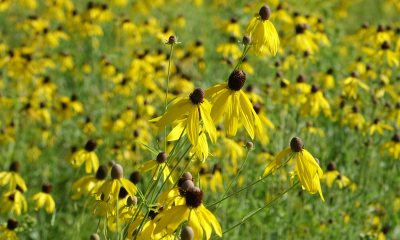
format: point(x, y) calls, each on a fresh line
point(199, 119)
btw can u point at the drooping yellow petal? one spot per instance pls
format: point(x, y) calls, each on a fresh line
point(193, 126)
point(147, 166)
point(220, 105)
point(171, 219)
point(129, 186)
point(208, 122)
point(194, 222)
point(174, 112)
point(210, 91)
point(277, 162)
point(232, 116)
point(211, 218)
point(246, 115)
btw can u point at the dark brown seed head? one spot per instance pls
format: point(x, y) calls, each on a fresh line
point(331, 166)
point(47, 188)
point(246, 40)
point(250, 88)
point(257, 108)
point(102, 172)
point(386, 229)
point(234, 20)
point(135, 177)
point(365, 25)
point(265, 150)
point(12, 224)
point(300, 28)
point(203, 171)
point(185, 177)
point(172, 39)
point(12, 197)
point(122, 193)
point(197, 96)
point(377, 120)
point(117, 171)
point(396, 137)
point(343, 103)
point(217, 167)
point(306, 53)
point(162, 157)
point(283, 84)
point(90, 145)
point(236, 80)
point(194, 197)
point(94, 236)
point(331, 220)
point(385, 45)
point(187, 233)
point(356, 109)
point(357, 161)
point(136, 133)
point(398, 105)
point(220, 127)
point(301, 78)
point(354, 74)
point(265, 12)
point(199, 43)
point(339, 177)
point(314, 88)
point(15, 167)
point(278, 63)
point(232, 39)
point(279, 74)
point(381, 28)
point(296, 144)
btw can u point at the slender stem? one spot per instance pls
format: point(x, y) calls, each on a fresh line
point(141, 224)
point(260, 209)
point(241, 59)
point(170, 173)
point(166, 96)
point(237, 174)
point(180, 175)
point(117, 212)
point(241, 190)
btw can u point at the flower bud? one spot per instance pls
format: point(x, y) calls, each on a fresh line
point(94, 236)
point(246, 40)
point(172, 39)
point(187, 233)
point(162, 157)
point(117, 171)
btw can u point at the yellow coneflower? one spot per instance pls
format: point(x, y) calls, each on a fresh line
point(87, 156)
point(392, 58)
point(230, 48)
point(7, 232)
point(351, 85)
point(315, 102)
point(327, 79)
point(12, 177)
point(228, 98)
point(43, 198)
point(156, 166)
point(303, 40)
point(13, 201)
point(307, 168)
point(355, 118)
point(90, 183)
point(263, 32)
point(113, 186)
point(377, 125)
point(312, 129)
point(200, 218)
point(232, 27)
point(393, 146)
point(199, 108)
point(102, 205)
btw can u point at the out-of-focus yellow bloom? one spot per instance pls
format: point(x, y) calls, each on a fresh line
point(263, 32)
point(392, 58)
point(43, 198)
point(315, 102)
point(351, 85)
point(230, 49)
point(393, 146)
point(378, 126)
point(90, 183)
point(13, 178)
point(87, 156)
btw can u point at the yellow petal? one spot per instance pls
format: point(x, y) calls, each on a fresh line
point(208, 122)
point(193, 126)
point(174, 112)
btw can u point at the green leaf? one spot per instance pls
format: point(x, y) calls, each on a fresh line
point(149, 148)
point(250, 214)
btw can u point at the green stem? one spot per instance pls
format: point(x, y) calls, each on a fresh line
point(260, 209)
point(180, 175)
point(170, 173)
point(230, 184)
point(141, 224)
point(166, 96)
point(241, 190)
point(117, 212)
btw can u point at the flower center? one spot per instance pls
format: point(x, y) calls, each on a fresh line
point(236, 80)
point(194, 197)
point(197, 96)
